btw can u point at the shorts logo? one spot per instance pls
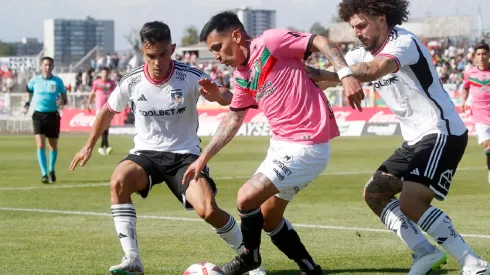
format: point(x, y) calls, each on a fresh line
point(287, 158)
point(445, 179)
point(177, 97)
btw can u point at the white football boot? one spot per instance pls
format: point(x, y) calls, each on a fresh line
point(129, 266)
point(101, 151)
point(479, 268)
point(258, 271)
point(426, 263)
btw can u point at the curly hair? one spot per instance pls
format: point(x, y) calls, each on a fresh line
point(396, 11)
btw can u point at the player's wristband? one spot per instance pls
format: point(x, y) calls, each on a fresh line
point(27, 105)
point(346, 71)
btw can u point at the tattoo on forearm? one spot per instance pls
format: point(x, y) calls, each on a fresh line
point(226, 131)
point(334, 55)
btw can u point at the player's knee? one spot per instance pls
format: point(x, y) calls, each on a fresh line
point(381, 185)
point(119, 186)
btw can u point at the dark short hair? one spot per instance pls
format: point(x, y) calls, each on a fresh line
point(105, 69)
point(47, 58)
point(155, 32)
point(482, 46)
point(222, 21)
point(396, 11)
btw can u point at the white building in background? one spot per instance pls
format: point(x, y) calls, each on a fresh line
point(68, 40)
point(256, 21)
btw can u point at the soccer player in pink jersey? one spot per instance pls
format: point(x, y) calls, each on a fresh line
point(270, 75)
point(101, 90)
point(477, 81)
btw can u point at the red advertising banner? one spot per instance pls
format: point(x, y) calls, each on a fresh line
point(371, 121)
point(80, 120)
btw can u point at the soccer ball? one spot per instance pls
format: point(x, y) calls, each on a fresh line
point(203, 268)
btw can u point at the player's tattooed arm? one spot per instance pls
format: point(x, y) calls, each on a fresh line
point(375, 69)
point(329, 49)
point(380, 190)
point(225, 133)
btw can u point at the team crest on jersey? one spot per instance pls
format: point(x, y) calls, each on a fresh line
point(52, 87)
point(177, 97)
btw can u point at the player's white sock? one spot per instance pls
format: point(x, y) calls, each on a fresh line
point(125, 221)
point(407, 230)
point(232, 235)
point(437, 224)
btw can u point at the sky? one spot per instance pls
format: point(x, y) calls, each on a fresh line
point(26, 20)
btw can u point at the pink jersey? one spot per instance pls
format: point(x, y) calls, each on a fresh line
point(274, 80)
point(478, 83)
point(103, 90)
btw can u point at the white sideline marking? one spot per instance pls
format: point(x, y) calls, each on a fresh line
point(200, 220)
point(218, 178)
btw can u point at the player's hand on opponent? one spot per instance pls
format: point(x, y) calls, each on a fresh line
point(209, 90)
point(81, 157)
point(194, 170)
point(353, 92)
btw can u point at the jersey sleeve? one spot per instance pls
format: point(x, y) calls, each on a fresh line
point(352, 57)
point(119, 98)
point(30, 86)
point(403, 50)
point(61, 86)
point(466, 81)
point(242, 100)
point(286, 43)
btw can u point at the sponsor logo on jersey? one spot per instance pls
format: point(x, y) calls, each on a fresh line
point(180, 75)
point(385, 82)
point(134, 80)
point(169, 112)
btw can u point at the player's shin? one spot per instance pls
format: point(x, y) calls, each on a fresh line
point(231, 234)
point(41, 158)
point(487, 153)
point(288, 241)
point(393, 218)
point(125, 222)
point(53, 155)
point(437, 224)
point(252, 224)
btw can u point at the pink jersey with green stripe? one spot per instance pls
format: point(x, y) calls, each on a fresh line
point(275, 81)
point(478, 83)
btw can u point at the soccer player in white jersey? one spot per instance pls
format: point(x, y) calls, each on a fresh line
point(400, 68)
point(163, 95)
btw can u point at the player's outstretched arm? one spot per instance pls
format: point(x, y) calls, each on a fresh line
point(352, 88)
point(102, 122)
point(211, 92)
point(375, 69)
point(225, 133)
point(323, 78)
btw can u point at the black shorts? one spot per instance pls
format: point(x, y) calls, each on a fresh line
point(432, 161)
point(169, 168)
point(46, 123)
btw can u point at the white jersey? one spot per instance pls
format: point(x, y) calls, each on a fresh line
point(414, 92)
point(166, 117)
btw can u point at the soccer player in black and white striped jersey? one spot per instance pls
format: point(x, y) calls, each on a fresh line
point(400, 68)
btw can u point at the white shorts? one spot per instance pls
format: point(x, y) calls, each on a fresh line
point(483, 132)
point(292, 166)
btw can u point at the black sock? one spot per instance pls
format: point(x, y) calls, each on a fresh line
point(288, 241)
point(252, 224)
point(488, 160)
point(105, 141)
